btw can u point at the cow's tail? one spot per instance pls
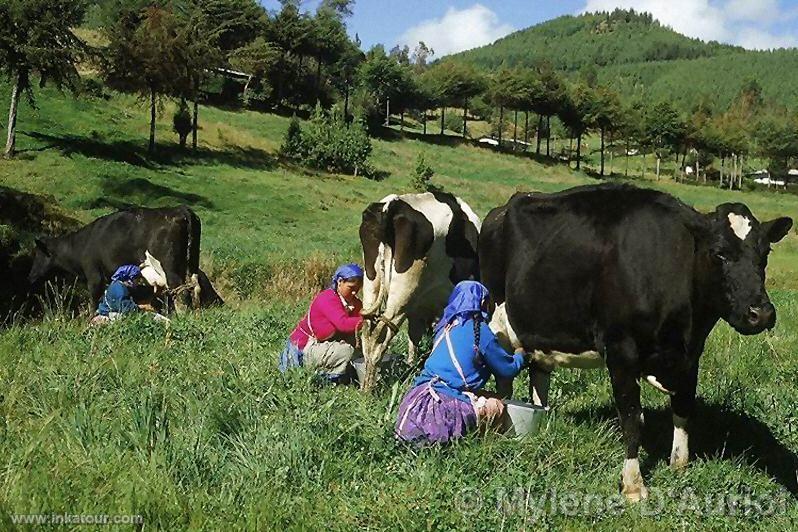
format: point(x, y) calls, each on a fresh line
point(194, 227)
point(384, 268)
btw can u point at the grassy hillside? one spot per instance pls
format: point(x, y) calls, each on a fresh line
point(192, 426)
point(632, 51)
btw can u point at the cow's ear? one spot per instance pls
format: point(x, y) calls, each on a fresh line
point(777, 229)
point(42, 247)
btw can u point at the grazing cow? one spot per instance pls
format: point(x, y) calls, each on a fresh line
point(416, 247)
point(92, 253)
point(632, 279)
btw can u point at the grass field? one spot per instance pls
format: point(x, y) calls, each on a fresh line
point(192, 426)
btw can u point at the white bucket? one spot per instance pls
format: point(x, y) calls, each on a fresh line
point(360, 366)
point(522, 418)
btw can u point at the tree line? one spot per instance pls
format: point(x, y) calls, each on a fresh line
point(633, 124)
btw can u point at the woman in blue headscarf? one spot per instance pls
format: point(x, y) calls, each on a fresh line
point(324, 339)
point(445, 401)
point(117, 299)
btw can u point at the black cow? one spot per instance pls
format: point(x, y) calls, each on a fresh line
point(171, 235)
point(631, 278)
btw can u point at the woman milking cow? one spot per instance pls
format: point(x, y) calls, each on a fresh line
point(324, 340)
point(447, 399)
point(132, 289)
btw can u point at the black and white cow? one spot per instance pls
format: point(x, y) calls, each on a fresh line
point(416, 247)
point(632, 279)
point(92, 253)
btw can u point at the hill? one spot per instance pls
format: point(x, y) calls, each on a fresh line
point(632, 51)
point(192, 426)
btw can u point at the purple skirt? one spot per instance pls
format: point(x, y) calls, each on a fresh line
point(426, 416)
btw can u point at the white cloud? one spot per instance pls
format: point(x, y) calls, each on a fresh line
point(747, 23)
point(457, 30)
point(756, 39)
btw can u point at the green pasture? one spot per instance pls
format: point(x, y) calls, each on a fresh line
point(192, 427)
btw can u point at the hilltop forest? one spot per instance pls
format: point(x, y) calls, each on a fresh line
point(632, 51)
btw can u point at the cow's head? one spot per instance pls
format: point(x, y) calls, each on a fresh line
point(44, 262)
point(739, 250)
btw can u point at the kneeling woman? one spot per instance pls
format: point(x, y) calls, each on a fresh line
point(446, 401)
point(118, 298)
point(324, 339)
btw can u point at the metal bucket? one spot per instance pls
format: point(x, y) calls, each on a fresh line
point(521, 419)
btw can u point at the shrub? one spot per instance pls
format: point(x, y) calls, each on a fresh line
point(422, 178)
point(292, 147)
point(453, 122)
point(328, 143)
point(363, 104)
point(181, 122)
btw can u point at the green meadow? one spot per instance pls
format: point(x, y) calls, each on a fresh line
point(191, 426)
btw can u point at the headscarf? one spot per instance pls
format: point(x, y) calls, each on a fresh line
point(466, 299)
point(346, 271)
point(126, 273)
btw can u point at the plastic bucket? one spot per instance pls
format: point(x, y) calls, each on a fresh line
point(522, 419)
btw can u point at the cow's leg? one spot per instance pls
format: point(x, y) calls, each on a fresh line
point(622, 362)
point(539, 385)
point(504, 387)
point(376, 338)
point(96, 284)
point(195, 292)
point(415, 332)
point(181, 302)
point(683, 407)
point(507, 338)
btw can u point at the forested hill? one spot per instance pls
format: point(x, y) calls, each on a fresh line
point(631, 50)
point(573, 42)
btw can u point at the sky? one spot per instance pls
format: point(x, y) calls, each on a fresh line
point(450, 26)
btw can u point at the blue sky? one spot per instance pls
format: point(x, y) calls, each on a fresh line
point(453, 25)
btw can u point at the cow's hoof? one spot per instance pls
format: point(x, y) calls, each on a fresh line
point(632, 486)
point(635, 493)
point(678, 463)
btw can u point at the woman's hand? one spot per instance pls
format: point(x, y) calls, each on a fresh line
point(523, 353)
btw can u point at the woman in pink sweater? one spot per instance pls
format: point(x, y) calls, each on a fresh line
point(324, 339)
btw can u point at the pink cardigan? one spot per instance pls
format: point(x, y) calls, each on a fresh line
point(326, 318)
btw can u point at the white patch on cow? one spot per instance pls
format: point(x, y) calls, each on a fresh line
point(652, 380)
point(680, 452)
point(387, 201)
point(632, 481)
point(740, 224)
point(470, 214)
point(153, 272)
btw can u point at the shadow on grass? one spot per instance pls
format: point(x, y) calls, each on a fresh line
point(715, 432)
point(138, 191)
point(134, 154)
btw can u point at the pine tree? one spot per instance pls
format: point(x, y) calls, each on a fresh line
point(36, 39)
